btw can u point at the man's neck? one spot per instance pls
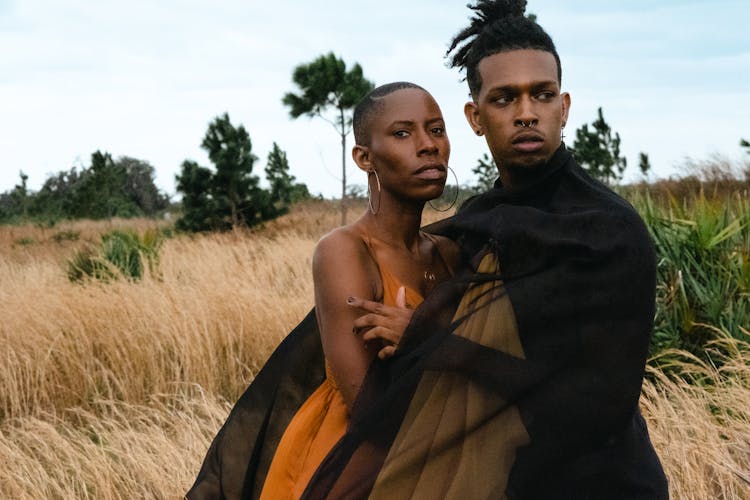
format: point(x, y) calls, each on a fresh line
point(514, 177)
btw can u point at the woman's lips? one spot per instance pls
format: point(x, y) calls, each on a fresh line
point(431, 172)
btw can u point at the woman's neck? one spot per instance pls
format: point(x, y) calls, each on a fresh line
point(395, 224)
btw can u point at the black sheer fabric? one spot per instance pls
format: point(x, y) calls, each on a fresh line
point(240, 455)
point(518, 378)
point(521, 379)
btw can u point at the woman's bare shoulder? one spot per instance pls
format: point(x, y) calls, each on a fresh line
point(342, 248)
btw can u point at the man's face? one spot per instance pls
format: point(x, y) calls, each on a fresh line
point(519, 107)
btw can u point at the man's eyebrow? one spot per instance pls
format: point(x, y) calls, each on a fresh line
point(518, 86)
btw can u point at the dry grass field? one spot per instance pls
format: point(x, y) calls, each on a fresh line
point(115, 390)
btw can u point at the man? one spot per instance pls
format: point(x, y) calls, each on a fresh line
point(520, 378)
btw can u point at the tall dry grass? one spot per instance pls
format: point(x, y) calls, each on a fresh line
point(115, 390)
point(700, 422)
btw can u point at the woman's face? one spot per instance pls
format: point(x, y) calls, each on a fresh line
point(409, 147)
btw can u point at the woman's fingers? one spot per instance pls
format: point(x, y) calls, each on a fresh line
point(401, 297)
point(382, 322)
point(384, 334)
point(379, 307)
point(387, 351)
point(367, 305)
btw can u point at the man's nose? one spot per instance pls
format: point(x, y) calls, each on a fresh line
point(526, 112)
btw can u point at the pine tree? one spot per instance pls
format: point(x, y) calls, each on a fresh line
point(325, 83)
point(199, 212)
point(234, 187)
point(598, 151)
point(486, 172)
point(278, 176)
point(644, 164)
point(229, 196)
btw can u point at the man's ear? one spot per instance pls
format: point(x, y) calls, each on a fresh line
point(565, 107)
point(472, 116)
point(361, 156)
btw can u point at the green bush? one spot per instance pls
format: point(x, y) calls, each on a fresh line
point(703, 273)
point(120, 254)
point(67, 235)
point(25, 241)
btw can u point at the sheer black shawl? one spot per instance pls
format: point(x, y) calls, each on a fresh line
point(519, 378)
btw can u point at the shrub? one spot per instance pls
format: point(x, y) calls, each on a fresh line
point(703, 273)
point(25, 241)
point(120, 254)
point(66, 235)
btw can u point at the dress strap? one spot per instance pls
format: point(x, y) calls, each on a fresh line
point(390, 283)
point(371, 253)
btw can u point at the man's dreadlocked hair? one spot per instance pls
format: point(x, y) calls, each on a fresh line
point(497, 26)
point(371, 105)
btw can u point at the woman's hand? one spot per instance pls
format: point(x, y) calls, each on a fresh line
point(383, 322)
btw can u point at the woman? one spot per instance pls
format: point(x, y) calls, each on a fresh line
point(402, 145)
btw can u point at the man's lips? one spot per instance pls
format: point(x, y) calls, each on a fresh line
point(528, 142)
point(432, 171)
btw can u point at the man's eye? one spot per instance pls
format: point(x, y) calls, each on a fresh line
point(503, 100)
point(545, 96)
point(438, 130)
point(401, 133)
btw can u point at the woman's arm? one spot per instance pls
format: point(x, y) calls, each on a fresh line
point(343, 268)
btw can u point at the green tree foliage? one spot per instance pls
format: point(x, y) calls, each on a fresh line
point(139, 185)
point(228, 196)
point(326, 84)
point(284, 191)
point(108, 188)
point(644, 164)
point(100, 192)
point(745, 144)
point(14, 204)
point(598, 150)
point(230, 150)
point(486, 172)
point(199, 208)
point(54, 199)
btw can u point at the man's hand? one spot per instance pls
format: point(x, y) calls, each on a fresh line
point(383, 322)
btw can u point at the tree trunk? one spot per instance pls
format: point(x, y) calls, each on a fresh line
point(343, 166)
point(343, 179)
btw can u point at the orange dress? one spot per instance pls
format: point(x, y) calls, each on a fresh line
point(318, 425)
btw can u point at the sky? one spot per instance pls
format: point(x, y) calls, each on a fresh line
point(143, 79)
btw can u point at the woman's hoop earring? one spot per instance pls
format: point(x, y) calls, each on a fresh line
point(369, 193)
point(455, 198)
